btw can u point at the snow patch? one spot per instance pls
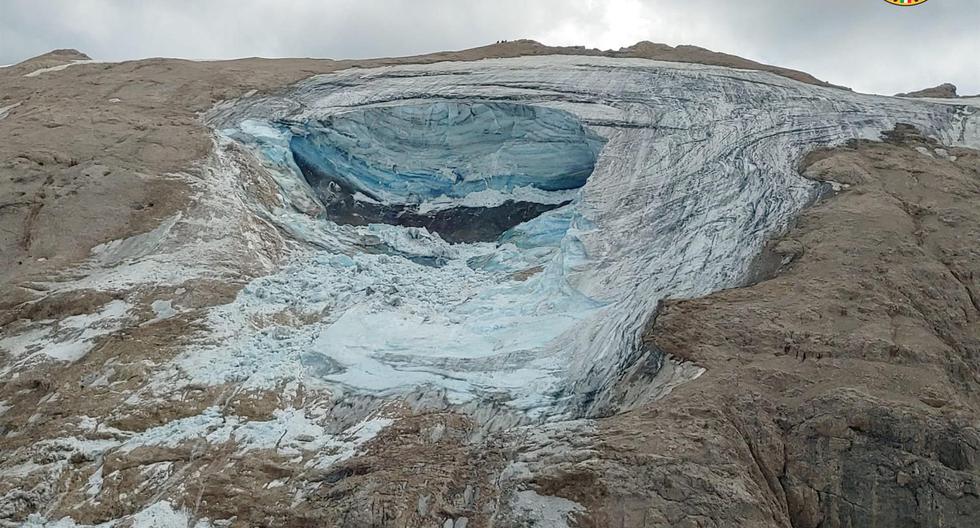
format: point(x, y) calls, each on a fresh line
point(132, 248)
point(60, 67)
point(162, 309)
point(5, 110)
point(24, 469)
point(68, 339)
point(544, 511)
point(291, 432)
point(94, 485)
point(161, 514)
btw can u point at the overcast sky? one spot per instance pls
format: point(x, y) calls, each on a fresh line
point(868, 45)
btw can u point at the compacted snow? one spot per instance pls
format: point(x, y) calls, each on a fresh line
point(660, 180)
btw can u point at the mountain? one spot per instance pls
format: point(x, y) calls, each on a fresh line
point(515, 285)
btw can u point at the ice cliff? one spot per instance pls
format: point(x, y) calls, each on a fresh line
point(440, 165)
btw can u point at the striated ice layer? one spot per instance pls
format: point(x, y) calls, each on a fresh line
point(415, 153)
point(466, 170)
point(697, 168)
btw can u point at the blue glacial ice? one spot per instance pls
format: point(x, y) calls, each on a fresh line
point(466, 170)
point(412, 153)
point(664, 180)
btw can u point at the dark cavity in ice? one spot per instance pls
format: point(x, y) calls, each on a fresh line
point(413, 165)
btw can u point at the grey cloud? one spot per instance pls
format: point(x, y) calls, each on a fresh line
point(866, 44)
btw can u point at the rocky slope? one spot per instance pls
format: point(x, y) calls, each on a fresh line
point(847, 383)
point(219, 307)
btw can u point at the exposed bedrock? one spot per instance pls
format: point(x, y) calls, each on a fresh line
point(386, 164)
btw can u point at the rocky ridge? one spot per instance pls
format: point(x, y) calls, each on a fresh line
point(945, 90)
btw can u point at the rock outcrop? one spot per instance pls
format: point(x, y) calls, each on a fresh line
point(640, 50)
point(52, 59)
point(945, 90)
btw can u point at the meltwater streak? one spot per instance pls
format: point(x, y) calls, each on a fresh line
point(697, 171)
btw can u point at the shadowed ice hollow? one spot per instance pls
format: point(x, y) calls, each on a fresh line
point(413, 153)
point(439, 165)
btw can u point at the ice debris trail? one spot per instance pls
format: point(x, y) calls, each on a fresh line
point(696, 167)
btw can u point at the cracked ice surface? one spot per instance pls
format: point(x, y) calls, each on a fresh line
point(697, 170)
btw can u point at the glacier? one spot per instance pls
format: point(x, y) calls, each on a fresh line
point(640, 181)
